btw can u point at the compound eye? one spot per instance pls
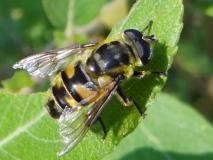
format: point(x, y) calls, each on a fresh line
point(133, 34)
point(143, 50)
point(142, 47)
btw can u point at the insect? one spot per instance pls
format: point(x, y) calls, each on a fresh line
point(86, 77)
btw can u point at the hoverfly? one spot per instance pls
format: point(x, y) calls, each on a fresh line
point(86, 78)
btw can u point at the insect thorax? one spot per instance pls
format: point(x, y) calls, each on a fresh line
point(111, 58)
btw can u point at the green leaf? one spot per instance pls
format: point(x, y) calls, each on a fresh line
point(119, 121)
point(61, 12)
point(205, 6)
point(19, 81)
point(172, 130)
point(56, 12)
point(27, 132)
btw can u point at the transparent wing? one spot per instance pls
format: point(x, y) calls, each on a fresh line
point(75, 124)
point(72, 128)
point(49, 62)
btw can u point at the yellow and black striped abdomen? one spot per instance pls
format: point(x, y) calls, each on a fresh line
point(72, 88)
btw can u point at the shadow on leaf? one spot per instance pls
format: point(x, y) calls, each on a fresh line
point(151, 154)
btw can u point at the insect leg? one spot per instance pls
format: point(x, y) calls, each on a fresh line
point(99, 119)
point(148, 27)
point(141, 74)
point(150, 38)
point(124, 99)
point(128, 101)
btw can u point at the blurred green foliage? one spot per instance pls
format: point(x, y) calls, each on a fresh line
point(192, 72)
point(69, 10)
point(23, 28)
point(205, 6)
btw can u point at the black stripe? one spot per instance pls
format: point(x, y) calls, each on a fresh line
point(51, 108)
point(60, 94)
point(79, 78)
point(69, 85)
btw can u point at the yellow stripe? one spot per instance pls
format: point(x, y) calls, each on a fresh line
point(86, 94)
point(69, 99)
point(71, 102)
point(70, 70)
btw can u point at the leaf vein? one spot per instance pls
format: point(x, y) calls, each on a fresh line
point(155, 141)
point(22, 129)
